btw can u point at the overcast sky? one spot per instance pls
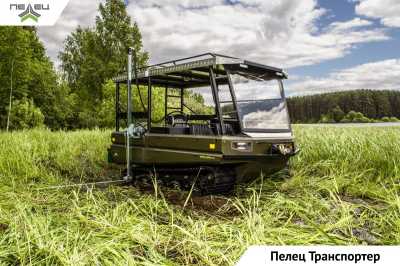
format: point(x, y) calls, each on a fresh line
point(325, 45)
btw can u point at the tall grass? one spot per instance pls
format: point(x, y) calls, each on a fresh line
point(345, 189)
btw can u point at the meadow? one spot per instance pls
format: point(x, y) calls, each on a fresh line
point(344, 189)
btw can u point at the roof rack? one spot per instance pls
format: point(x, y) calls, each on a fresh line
point(189, 63)
point(173, 62)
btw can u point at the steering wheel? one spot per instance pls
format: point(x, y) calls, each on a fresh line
point(176, 118)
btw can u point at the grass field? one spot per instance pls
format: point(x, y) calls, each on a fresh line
point(345, 189)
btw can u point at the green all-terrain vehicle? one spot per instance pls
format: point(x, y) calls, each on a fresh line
point(224, 121)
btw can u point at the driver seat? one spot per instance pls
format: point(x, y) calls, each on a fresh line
point(178, 120)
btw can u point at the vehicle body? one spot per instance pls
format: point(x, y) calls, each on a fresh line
point(235, 129)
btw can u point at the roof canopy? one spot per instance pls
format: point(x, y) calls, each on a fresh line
point(194, 71)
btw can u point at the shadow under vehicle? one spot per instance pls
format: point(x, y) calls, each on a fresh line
point(224, 121)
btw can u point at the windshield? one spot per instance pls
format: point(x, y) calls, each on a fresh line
point(260, 102)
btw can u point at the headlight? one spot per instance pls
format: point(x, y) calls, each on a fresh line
point(242, 146)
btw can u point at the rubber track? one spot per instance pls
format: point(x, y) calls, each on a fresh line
point(209, 180)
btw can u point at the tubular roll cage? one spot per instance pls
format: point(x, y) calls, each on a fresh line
point(190, 72)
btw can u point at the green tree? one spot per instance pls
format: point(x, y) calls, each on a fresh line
point(355, 117)
point(92, 56)
point(326, 118)
point(373, 104)
point(337, 114)
point(390, 119)
point(25, 115)
point(23, 61)
point(382, 104)
point(105, 111)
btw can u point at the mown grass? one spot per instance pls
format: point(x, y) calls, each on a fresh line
point(345, 189)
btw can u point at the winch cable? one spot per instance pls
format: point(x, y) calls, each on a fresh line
point(91, 184)
point(114, 182)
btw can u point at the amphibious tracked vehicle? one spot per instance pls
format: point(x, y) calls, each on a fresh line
point(209, 121)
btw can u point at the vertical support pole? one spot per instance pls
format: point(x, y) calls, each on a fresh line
point(149, 107)
point(282, 90)
point(129, 115)
point(129, 130)
point(117, 109)
point(165, 104)
point(182, 100)
point(234, 100)
point(214, 90)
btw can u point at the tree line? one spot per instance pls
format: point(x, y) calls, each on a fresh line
point(346, 106)
point(81, 94)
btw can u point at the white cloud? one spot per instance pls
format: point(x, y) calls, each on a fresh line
point(375, 76)
point(284, 33)
point(349, 25)
point(76, 13)
point(388, 11)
